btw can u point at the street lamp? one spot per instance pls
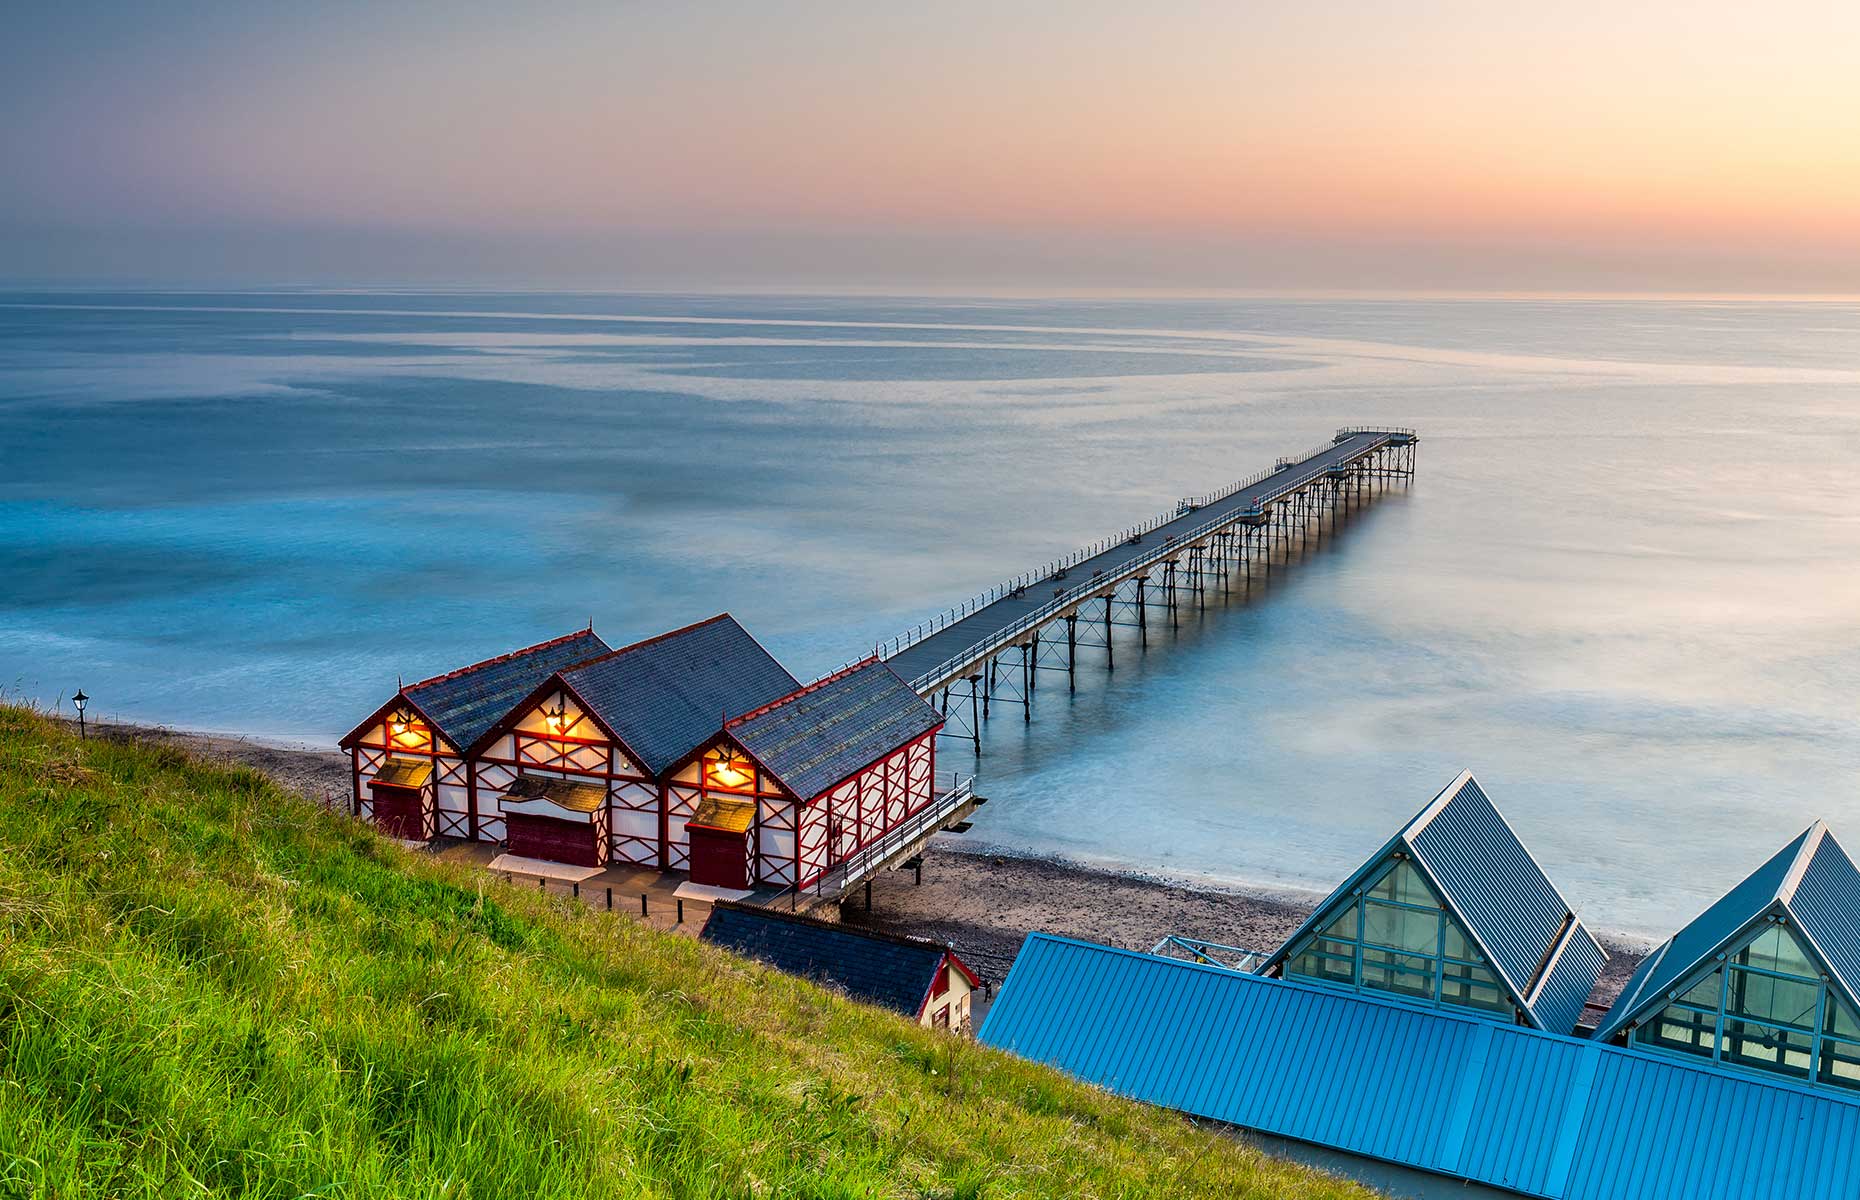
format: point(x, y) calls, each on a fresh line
point(79, 699)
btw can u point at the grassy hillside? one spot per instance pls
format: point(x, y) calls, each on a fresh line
point(209, 987)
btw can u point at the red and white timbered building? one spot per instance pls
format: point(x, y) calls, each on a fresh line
point(409, 769)
point(829, 769)
point(626, 723)
point(694, 750)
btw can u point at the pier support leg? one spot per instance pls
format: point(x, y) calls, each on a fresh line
point(974, 723)
point(1072, 652)
point(1143, 628)
point(1110, 663)
point(1026, 683)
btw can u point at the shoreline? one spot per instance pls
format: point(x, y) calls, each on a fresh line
point(980, 900)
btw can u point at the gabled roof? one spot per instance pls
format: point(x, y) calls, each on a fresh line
point(1544, 956)
point(668, 695)
point(880, 968)
point(1811, 881)
point(463, 704)
point(1436, 1089)
point(829, 731)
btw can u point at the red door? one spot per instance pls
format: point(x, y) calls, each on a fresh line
point(719, 857)
point(571, 842)
point(401, 811)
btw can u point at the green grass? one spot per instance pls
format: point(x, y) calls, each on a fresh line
point(210, 987)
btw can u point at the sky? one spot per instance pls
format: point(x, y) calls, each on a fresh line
point(1173, 144)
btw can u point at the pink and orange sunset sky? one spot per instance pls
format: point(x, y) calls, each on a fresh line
point(1504, 146)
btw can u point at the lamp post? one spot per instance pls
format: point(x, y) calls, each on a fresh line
point(79, 699)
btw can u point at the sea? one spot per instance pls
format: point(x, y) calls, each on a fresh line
point(1623, 587)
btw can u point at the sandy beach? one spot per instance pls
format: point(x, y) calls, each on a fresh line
point(981, 903)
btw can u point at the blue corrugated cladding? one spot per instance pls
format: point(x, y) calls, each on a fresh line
point(1734, 910)
point(1657, 1129)
point(1507, 1106)
point(1559, 1002)
point(1493, 880)
point(1826, 904)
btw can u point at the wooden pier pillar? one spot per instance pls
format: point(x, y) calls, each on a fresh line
point(1143, 628)
point(1072, 652)
point(1110, 663)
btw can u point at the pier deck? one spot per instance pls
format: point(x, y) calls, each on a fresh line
point(1207, 537)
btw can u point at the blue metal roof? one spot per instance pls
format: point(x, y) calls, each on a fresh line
point(831, 730)
point(464, 703)
point(1499, 894)
point(668, 695)
point(1566, 985)
point(1503, 1105)
point(1826, 906)
point(1811, 880)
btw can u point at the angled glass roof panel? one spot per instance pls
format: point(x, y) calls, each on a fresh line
point(1466, 859)
point(1704, 936)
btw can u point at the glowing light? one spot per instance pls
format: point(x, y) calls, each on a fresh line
point(728, 771)
point(557, 717)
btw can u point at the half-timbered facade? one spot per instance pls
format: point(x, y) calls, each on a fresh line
point(829, 768)
point(623, 723)
point(409, 770)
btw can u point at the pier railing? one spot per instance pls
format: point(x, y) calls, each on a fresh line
point(875, 855)
point(1070, 596)
point(1234, 958)
point(1020, 583)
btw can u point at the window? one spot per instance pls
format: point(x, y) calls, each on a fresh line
point(1399, 939)
point(1768, 1007)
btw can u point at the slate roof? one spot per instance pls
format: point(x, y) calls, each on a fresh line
point(666, 696)
point(1811, 881)
point(463, 704)
point(829, 731)
point(1501, 897)
point(1435, 1089)
point(879, 968)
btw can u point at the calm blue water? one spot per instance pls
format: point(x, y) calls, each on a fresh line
point(1625, 588)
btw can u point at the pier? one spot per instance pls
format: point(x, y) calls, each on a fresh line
point(993, 648)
